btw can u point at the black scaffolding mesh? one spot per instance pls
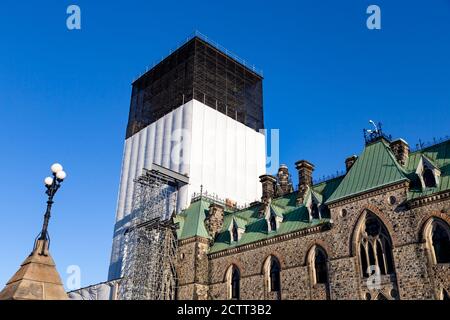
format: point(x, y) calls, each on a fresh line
point(197, 70)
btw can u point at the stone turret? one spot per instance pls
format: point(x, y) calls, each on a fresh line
point(36, 279)
point(284, 182)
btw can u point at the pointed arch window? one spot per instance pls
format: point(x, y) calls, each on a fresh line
point(315, 211)
point(438, 240)
point(235, 233)
point(320, 266)
point(235, 283)
point(273, 223)
point(375, 247)
point(429, 178)
point(428, 173)
point(233, 280)
point(275, 283)
point(272, 270)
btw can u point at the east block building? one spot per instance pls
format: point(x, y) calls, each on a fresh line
point(388, 215)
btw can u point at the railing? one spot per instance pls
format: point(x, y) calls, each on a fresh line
point(212, 197)
point(422, 145)
point(227, 52)
point(212, 43)
point(329, 177)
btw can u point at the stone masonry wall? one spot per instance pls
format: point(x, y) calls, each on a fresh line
point(192, 270)
point(415, 276)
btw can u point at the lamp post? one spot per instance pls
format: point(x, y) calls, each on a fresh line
point(52, 184)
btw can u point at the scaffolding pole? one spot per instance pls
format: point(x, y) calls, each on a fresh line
point(150, 245)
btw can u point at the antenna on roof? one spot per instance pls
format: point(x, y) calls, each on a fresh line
point(375, 134)
point(375, 127)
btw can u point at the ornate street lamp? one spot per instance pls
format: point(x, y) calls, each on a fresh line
point(52, 184)
point(37, 277)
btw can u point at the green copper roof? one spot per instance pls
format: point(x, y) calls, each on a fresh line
point(192, 220)
point(376, 167)
point(439, 154)
point(327, 188)
point(294, 219)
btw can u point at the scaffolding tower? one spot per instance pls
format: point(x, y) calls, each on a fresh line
point(150, 243)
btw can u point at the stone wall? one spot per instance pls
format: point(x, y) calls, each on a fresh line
point(415, 276)
point(192, 269)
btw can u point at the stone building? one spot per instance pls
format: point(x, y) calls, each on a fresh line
point(379, 231)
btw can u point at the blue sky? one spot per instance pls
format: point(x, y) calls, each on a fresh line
point(64, 96)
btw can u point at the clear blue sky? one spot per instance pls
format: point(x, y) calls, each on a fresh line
point(64, 96)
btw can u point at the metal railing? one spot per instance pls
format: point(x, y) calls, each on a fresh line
point(329, 177)
point(423, 145)
point(215, 44)
point(212, 197)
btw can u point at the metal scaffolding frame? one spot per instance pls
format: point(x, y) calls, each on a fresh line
point(150, 242)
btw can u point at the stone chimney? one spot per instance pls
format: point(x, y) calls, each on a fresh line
point(214, 221)
point(268, 187)
point(284, 183)
point(305, 170)
point(269, 184)
point(230, 203)
point(400, 149)
point(349, 162)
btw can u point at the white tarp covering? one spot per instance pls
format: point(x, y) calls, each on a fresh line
point(102, 291)
point(219, 155)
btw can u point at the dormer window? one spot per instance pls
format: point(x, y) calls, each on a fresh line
point(273, 223)
point(235, 233)
point(272, 219)
point(428, 178)
point(428, 173)
point(315, 211)
point(314, 206)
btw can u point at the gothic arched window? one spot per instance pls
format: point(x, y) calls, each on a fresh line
point(274, 275)
point(438, 240)
point(235, 283)
point(320, 266)
point(375, 249)
point(429, 178)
